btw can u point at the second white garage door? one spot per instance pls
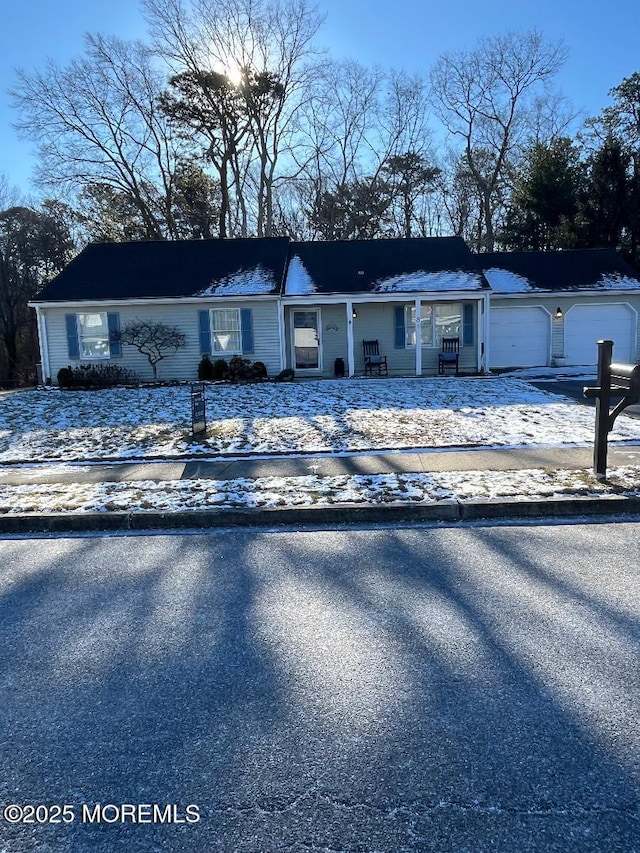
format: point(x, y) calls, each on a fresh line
point(584, 325)
point(519, 337)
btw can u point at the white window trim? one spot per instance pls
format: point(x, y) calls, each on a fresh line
point(221, 353)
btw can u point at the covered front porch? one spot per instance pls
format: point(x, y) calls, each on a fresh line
point(319, 335)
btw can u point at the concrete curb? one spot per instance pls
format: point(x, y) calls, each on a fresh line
point(319, 516)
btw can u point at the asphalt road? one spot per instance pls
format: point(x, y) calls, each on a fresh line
point(474, 689)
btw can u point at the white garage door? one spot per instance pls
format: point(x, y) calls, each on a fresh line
point(519, 337)
point(584, 325)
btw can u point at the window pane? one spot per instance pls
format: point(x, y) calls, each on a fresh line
point(226, 337)
point(226, 319)
point(93, 325)
point(448, 321)
point(95, 348)
point(94, 335)
point(426, 327)
point(226, 342)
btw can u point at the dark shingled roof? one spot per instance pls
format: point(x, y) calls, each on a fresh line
point(171, 269)
point(366, 266)
point(580, 269)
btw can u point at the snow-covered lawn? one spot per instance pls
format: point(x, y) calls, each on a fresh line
point(309, 417)
point(305, 417)
point(313, 490)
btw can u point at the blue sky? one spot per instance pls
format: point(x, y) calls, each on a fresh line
point(603, 41)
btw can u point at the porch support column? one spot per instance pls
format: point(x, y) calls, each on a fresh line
point(351, 363)
point(282, 337)
point(486, 337)
point(418, 338)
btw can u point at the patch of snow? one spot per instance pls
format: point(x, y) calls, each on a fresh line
point(438, 282)
point(504, 281)
point(313, 490)
point(619, 282)
point(299, 282)
point(254, 282)
point(326, 416)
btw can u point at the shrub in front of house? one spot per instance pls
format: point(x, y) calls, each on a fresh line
point(259, 370)
point(239, 370)
point(220, 369)
point(286, 375)
point(94, 376)
point(205, 369)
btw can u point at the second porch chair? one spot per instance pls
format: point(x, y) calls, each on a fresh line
point(449, 355)
point(372, 358)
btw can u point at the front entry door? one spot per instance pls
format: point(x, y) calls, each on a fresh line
point(307, 353)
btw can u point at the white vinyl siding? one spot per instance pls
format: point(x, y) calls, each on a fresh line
point(184, 364)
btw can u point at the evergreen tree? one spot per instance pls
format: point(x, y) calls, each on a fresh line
point(545, 199)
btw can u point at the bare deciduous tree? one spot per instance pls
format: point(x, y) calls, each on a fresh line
point(246, 63)
point(154, 340)
point(98, 122)
point(481, 96)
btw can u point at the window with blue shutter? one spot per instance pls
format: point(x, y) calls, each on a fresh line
point(113, 324)
point(204, 329)
point(400, 333)
point(468, 325)
point(246, 326)
point(73, 343)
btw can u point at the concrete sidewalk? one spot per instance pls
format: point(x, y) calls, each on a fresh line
point(324, 465)
point(446, 511)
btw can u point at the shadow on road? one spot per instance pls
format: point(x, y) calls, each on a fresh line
point(390, 690)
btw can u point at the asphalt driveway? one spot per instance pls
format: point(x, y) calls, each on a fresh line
point(573, 388)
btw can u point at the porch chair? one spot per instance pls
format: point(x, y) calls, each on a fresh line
point(372, 358)
point(449, 355)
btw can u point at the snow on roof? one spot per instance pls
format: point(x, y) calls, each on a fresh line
point(299, 282)
point(252, 282)
point(617, 282)
point(504, 281)
point(431, 281)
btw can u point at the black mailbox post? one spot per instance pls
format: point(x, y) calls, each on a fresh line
point(614, 380)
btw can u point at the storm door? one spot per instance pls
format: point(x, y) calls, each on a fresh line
point(305, 336)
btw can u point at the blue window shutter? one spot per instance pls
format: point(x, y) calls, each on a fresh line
point(400, 338)
point(246, 325)
point(204, 328)
point(73, 344)
point(115, 347)
point(468, 325)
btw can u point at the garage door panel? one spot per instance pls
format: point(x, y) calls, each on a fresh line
point(585, 325)
point(519, 337)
